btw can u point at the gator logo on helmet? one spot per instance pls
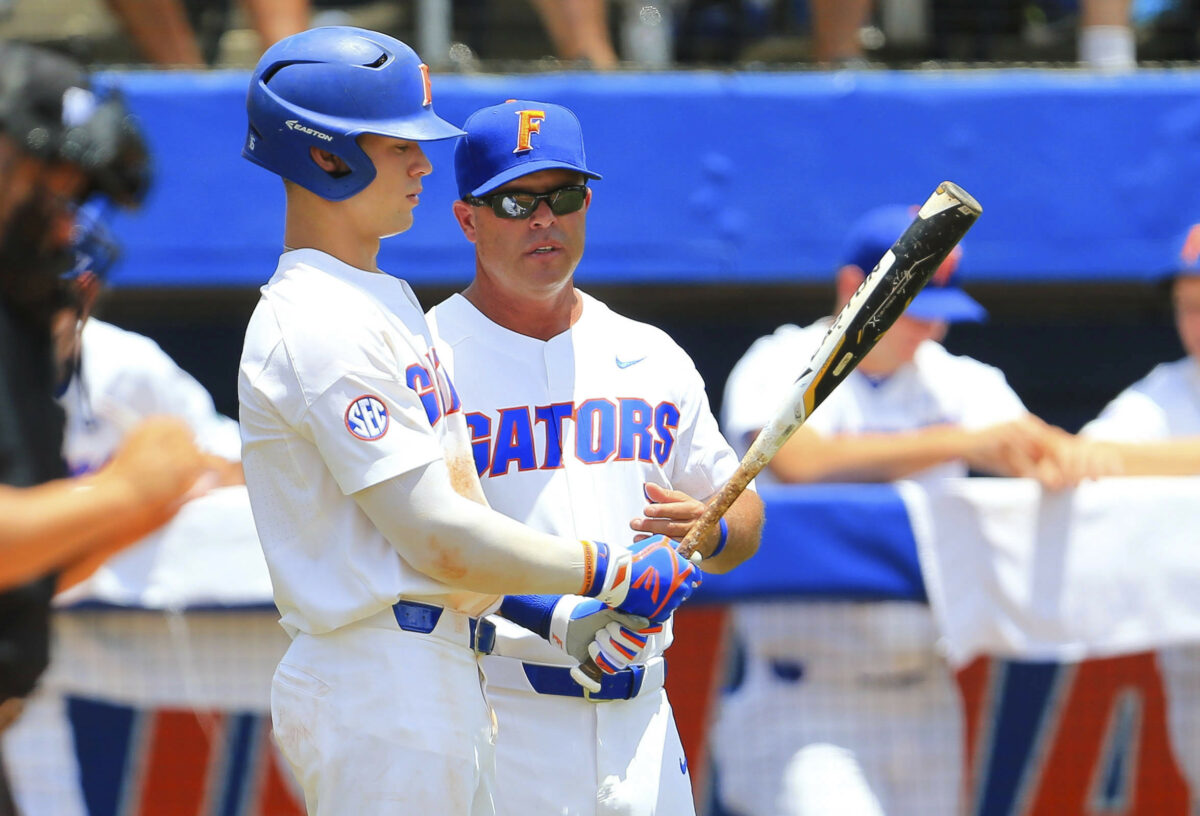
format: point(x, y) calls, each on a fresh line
point(293, 124)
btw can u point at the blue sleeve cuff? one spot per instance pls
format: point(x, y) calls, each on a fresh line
point(530, 611)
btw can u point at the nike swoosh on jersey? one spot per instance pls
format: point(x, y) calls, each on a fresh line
point(683, 765)
point(627, 363)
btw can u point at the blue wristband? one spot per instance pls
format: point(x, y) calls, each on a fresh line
point(530, 611)
point(724, 527)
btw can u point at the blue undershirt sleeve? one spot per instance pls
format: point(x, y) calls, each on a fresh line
point(530, 611)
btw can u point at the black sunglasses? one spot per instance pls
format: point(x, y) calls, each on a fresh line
point(515, 204)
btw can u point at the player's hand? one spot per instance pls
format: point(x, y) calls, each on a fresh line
point(1087, 459)
point(1022, 448)
point(649, 578)
point(575, 622)
point(160, 465)
point(616, 646)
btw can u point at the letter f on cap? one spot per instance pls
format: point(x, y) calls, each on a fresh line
point(530, 122)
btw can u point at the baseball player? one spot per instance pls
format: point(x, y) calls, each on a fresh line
point(847, 707)
point(583, 423)
point(63, 140)
point(111, 380)
point(1153, 428)
point(358, 462)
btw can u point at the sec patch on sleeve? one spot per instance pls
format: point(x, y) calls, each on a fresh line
point(367, 418)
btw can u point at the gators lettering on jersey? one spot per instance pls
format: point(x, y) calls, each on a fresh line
point(433, 399)
point(632, 429)
point(543, 415)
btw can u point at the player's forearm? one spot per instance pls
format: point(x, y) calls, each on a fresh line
point(808, 458)
point(48, 527)
point(744, 522)
point(466, 545)
point(1177, 457)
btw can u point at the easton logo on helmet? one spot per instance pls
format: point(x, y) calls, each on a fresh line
point(295, 125)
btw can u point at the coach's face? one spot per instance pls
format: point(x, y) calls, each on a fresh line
point(1186, 297)
point(534, 256)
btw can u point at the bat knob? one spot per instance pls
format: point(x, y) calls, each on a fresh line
point(588, 675)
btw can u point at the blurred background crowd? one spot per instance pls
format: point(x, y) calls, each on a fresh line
point(609, 34)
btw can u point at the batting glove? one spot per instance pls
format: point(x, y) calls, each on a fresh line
point(576, 622)
point(616, 646)
point(648, 579)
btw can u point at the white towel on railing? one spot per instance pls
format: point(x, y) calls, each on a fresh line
point(1109, 568)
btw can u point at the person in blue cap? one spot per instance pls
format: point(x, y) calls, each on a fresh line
point(1152, 428)
point(583, 423)
point(382, 553)
point(847, 707)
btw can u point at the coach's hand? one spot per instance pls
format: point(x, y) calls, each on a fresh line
point(575, 622)
point(649, 578)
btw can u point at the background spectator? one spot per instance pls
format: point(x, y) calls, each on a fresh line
point(847, 706)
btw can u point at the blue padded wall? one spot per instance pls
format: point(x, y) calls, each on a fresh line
point(735, 176)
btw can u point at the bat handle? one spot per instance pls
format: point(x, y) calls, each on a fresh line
point(712, 514)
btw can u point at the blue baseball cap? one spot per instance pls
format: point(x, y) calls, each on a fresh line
point(520, 137)
point(943, 297)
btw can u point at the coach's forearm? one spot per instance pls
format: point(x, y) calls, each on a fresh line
point(466, 545)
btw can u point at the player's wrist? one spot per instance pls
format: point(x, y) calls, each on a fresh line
point(606, 572)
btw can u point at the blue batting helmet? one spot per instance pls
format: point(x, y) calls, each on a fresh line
point(322, 88)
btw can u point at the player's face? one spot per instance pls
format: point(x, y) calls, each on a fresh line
point(1186, 296)
point(386, 206)
point(534, 256)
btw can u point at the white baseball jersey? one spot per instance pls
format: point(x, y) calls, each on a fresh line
point(937, 388)
point(864, 690)
point(123, 379)
point(565, 433)
point(1162, 405)
point(340, 389)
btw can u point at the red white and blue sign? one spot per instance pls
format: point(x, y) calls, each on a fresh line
point(367, 418)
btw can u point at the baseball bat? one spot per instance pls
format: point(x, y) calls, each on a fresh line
point(905, 268)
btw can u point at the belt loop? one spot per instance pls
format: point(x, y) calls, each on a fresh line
point(483, 635)
point(635, 685)
point(412, 616)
